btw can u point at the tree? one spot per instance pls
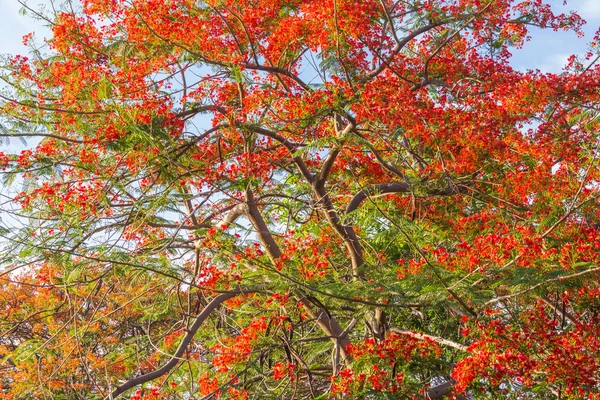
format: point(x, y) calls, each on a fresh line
point(299, 199)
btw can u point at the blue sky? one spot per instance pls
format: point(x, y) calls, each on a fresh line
point(547, 50)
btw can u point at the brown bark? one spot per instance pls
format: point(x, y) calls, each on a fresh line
point(210, 307)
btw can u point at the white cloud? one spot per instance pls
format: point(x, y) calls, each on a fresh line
point(14, 25)
point(554, 63)
point(588, 9)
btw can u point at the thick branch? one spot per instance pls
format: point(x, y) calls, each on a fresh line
point(384, 188)
point(210, 307)
point(399, 46)
point(435, 339)
point(346, 232)
point(330, 160)
point(442, 390)
point(564, 313)
point(326, 322)
point(231, 216)
point(329, 326)
point(397, 187)
point(288, 145)
point(262, 230)
point(199, 110)
point(279, 71)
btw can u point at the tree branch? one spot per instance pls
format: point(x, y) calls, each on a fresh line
point(330, 160)
point(442, 390)
point(324, 319)
point(262, 230)
point(329, 326)
point(346, 232)
point(384, 188)
point(210, 307)
point(288, 145)
point(436, 339)
point(397, 187)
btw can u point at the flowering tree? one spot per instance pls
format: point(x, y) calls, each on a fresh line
point(298, 199)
